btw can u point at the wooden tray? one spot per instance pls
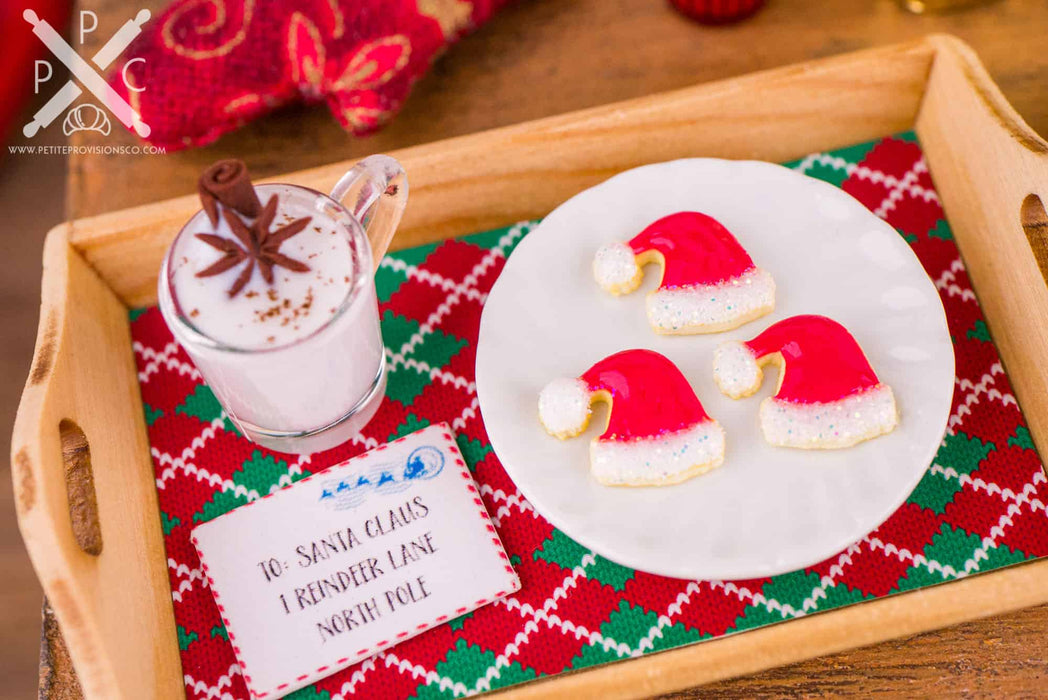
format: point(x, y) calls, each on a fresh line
point(84, 480)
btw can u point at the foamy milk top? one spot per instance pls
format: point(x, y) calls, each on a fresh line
point(263, 315)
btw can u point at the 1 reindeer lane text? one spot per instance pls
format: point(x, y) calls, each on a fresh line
point(330, 585)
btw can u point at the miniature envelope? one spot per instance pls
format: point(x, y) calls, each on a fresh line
point(351, 561)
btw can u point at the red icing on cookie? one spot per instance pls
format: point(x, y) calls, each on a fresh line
point(823, 361)
point(696, 247)
point(650, 396)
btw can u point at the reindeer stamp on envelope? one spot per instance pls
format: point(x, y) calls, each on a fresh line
point(348, 562)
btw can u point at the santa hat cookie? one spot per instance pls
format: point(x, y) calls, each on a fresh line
point(828, 394)
point(657, 432)
point(709, 283)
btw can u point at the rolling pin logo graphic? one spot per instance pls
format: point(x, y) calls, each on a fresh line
point(86, 76)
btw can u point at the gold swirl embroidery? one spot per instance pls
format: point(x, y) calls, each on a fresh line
point(167, 31)
point(452, 15)
point(236, 105)
point(361, 118)
point(360, 72)
point(305, 69)
point(340, 21)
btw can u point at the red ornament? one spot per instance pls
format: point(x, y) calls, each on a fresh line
point(206, 67)
point(717, 11)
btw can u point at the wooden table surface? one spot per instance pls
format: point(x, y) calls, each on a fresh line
point(544, 57)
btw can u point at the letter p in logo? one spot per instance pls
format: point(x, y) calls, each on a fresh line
point(38, 78)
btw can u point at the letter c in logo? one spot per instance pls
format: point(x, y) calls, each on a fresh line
point(123, 73)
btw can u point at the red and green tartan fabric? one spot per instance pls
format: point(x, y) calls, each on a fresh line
point(980, 506)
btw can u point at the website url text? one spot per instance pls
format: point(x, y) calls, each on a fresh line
point(87, 150)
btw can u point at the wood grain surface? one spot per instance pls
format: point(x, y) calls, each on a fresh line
point(501, 176)
point(21, 180)
point(544, 57)
point(1003, 656)
point(87, 508)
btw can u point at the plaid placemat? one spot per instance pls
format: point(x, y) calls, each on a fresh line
point(980, 506)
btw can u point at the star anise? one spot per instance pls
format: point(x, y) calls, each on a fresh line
point(258, 245)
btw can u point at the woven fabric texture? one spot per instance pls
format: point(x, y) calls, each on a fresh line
point(980, 506)
point(202, 69)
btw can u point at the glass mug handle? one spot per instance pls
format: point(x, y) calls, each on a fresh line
point(375, 191)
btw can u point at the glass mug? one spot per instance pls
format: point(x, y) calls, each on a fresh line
point(313, 392)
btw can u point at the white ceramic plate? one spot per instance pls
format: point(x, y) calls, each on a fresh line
point(767, 510)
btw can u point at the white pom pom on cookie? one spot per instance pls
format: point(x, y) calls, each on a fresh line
point(564, 407)
point(735, 370)
point(615, 269)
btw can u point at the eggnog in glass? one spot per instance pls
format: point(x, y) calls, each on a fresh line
point(270, 289)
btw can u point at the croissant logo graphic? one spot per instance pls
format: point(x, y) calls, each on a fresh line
point(85, 117)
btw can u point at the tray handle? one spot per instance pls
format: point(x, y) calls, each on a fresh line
point(85, 490)
point(991, 171)
point(1035, 224)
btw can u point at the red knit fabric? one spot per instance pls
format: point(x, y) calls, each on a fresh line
point(980, 505)
point(209, 66)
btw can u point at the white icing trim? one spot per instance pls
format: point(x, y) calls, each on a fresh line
point(564, 407)
point(712, 308)
point(615, 269)
point(830, 425)
point(735, 370)
point(660, 460)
